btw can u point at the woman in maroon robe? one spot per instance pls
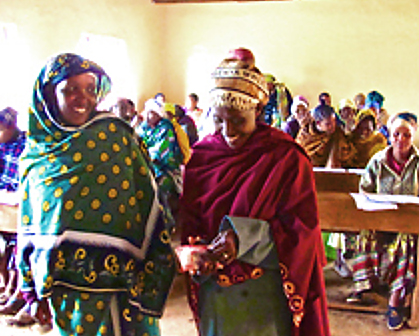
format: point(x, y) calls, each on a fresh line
point(249, 198)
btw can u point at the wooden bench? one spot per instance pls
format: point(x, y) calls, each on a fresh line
point(338, 213)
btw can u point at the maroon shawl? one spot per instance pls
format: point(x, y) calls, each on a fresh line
point(269, 178)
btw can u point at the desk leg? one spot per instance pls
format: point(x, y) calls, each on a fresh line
point(414, 322)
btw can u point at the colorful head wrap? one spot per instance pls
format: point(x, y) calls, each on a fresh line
point(169, 107)
point(8, 117)
point(269, 78)
point(365, 114)
point(322, 112)
point(153, 105)
point(374, 99)
point(298, 100)
point(57, 69)
point(406, 119)
point(237, 83)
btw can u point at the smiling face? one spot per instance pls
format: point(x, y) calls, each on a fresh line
point(365, 128)
point(77, 98)
point(235, 126)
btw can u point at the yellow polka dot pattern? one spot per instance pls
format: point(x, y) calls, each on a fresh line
point(42, 170)
point(98, 181)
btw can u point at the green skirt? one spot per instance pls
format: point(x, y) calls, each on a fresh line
point(99, 314)
point(257, 307)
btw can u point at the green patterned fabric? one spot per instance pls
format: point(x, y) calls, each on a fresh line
point(163, 147)
point(90, 216)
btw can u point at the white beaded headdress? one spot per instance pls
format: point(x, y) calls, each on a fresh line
point(238, 83)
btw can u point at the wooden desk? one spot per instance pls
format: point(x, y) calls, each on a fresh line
point(8, 218)
point(338, 213)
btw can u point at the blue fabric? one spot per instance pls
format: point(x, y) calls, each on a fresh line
point(9, 162)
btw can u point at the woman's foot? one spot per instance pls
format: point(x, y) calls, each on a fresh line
point(23, 318)
point(13, 305)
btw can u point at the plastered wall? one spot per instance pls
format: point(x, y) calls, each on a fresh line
point(340, 46)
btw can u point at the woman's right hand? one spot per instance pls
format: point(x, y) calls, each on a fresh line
point(205, 263)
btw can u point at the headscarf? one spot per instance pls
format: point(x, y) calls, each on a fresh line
point(238, 83)
point(366, 147)
point(153, 105)
point(322, 112)
point(270, 78)
point(90, 215)
point(169, 107)
point(8, 117)
point(365, 114)
point(407, 119)
point(298, 100)
point(57, 69)
point(374, 99)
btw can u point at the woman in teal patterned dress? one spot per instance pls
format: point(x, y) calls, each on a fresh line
point(91, 238)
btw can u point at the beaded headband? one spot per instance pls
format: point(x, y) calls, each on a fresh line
point(238, 85)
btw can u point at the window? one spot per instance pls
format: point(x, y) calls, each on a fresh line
point(111, 54)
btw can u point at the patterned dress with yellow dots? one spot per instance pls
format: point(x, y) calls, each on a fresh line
point(92, 235)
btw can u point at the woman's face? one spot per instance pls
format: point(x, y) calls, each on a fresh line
point(402, 139)
point(365, 128)
point(153, 118)
point(235, 126)
point(327, 125)
point(347, 113)
point(77, 98)
point(301, 113)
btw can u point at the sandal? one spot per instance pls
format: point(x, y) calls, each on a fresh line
point(21, 319)
point(395, 318)
point(12, 307)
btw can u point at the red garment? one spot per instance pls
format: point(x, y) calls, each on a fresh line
point(269, 178)
point(394, 165)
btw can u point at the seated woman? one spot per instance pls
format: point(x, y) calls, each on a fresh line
point(366, 139)
point(249, 199)
point(325, 142)
point(300, 115)
point(327, 146)
point(382, 256)
point(347, 113)
point(91, 238)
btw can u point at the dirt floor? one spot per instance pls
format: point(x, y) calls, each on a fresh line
point(177, 320)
